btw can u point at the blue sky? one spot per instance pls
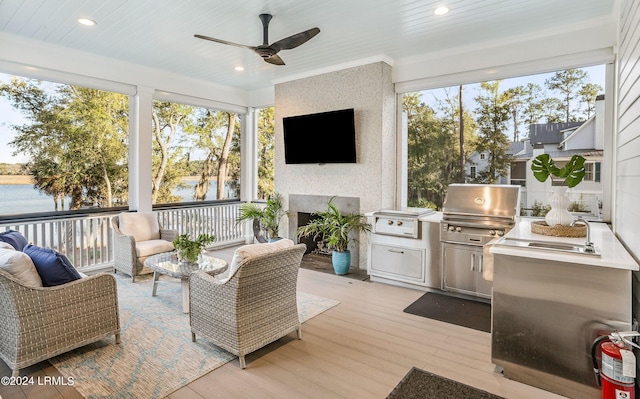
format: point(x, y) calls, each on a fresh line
point(9, 116)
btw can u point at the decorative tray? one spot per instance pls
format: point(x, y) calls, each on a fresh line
point(541, 227)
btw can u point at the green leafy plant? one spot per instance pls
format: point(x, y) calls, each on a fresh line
point(334, 227)
point(269, 215)
point(538, 209)
point(572, 173)
point(189, 249)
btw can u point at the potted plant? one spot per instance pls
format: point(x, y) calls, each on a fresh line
point(269, 215)
point(572, 172)
point(188, 249)
point(334, 227)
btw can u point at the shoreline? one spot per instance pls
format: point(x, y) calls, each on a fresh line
point(28, 179)
point(16, 179)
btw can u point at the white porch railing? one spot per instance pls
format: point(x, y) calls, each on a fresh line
point(87, 240)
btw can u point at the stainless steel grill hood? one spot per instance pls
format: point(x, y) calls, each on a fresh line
point(482, 203)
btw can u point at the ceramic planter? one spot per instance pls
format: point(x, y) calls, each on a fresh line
point(341, 261)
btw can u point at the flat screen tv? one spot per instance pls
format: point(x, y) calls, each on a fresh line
point(327, 137)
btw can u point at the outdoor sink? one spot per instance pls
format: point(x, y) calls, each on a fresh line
point(550, 246)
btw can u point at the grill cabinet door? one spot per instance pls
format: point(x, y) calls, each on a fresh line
point(459, 268)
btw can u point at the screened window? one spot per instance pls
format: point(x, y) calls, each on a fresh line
point(62, 147)
point(196, 153)
point(499, 123)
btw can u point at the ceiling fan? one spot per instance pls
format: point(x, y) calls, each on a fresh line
point(270, 52)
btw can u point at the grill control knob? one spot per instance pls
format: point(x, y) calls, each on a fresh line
point(458, 229)
point(500, 233)
point(451, 228)
point(492, 232)
point(399, 223)
point(390, 222)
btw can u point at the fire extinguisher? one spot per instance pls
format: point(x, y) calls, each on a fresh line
point(617, 382)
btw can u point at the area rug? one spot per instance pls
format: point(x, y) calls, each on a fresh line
point(156, 355)
point(453, 310)
point(420, 384)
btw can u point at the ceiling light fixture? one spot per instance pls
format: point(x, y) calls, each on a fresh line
point(441, 10)
point(87, 21)
point(239, 68)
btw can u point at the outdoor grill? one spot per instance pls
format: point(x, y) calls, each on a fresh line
point(473, 215)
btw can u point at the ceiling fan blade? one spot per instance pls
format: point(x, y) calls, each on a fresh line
point(224, 42)
point(275, 60)
point(294, 41)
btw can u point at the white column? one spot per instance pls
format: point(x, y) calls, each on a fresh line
point(249, 156)
point(140, 142)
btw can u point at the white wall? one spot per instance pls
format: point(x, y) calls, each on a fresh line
point(627, 186)
point(367, 89)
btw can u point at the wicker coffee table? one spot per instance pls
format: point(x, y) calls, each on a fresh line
point(168, 264)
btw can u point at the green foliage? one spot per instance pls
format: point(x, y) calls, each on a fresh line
point(572, 172)
point(189, 249)
point(538, 209)
point(577, 206)
point(270, 215)
point(492, 117)
point(334, 227)
point(75, 139)
point(422, 203)
point(433, 147)
point(266, 142)
point(569, 83)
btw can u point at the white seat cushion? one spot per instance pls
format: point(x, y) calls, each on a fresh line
point(143, 226)
point(6, 245)
point(152, 247)
point(20, 266)
point(247, 252)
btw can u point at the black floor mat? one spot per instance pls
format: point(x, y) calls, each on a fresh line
point(459, 311)
point(419, 384)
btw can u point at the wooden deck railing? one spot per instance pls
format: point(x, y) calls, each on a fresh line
point(87, 239)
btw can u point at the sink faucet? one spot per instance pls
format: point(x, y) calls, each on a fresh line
point(588, 246)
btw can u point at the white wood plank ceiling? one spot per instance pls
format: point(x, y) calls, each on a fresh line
point(159, 33)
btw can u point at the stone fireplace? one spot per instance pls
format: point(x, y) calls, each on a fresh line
point(302, 208)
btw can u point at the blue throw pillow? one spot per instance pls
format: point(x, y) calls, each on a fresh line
point(53, 267)
point(14, 238)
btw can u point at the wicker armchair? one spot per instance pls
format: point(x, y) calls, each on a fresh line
point(253, 308)
point(39, 323)
point(130, 251)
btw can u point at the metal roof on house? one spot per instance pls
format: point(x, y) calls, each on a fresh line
point(550, 133)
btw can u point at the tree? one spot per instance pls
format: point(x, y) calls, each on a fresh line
point(568, 83)
point(432, 153)
point(492, 117)
point(75, 139)
point(266, 141)
point(224, 154)
point(588, 94)
point(167, 119)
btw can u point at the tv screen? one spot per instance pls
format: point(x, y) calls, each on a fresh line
point(327, 137)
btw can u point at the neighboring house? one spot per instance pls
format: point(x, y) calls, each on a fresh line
point(561, 141)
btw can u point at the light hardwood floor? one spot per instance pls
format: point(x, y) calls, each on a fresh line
point(359, 349)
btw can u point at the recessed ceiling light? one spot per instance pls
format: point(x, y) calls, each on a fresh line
point(239, 68)
point(441, 10)
point(87, 21)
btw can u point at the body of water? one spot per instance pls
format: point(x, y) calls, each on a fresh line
point(23, 198)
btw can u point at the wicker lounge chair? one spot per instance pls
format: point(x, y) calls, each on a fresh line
point(37, 323)
point(130, 250)
point(255, 307)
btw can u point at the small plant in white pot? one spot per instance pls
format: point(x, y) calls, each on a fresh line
point(334, 228)
point(572, 172)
